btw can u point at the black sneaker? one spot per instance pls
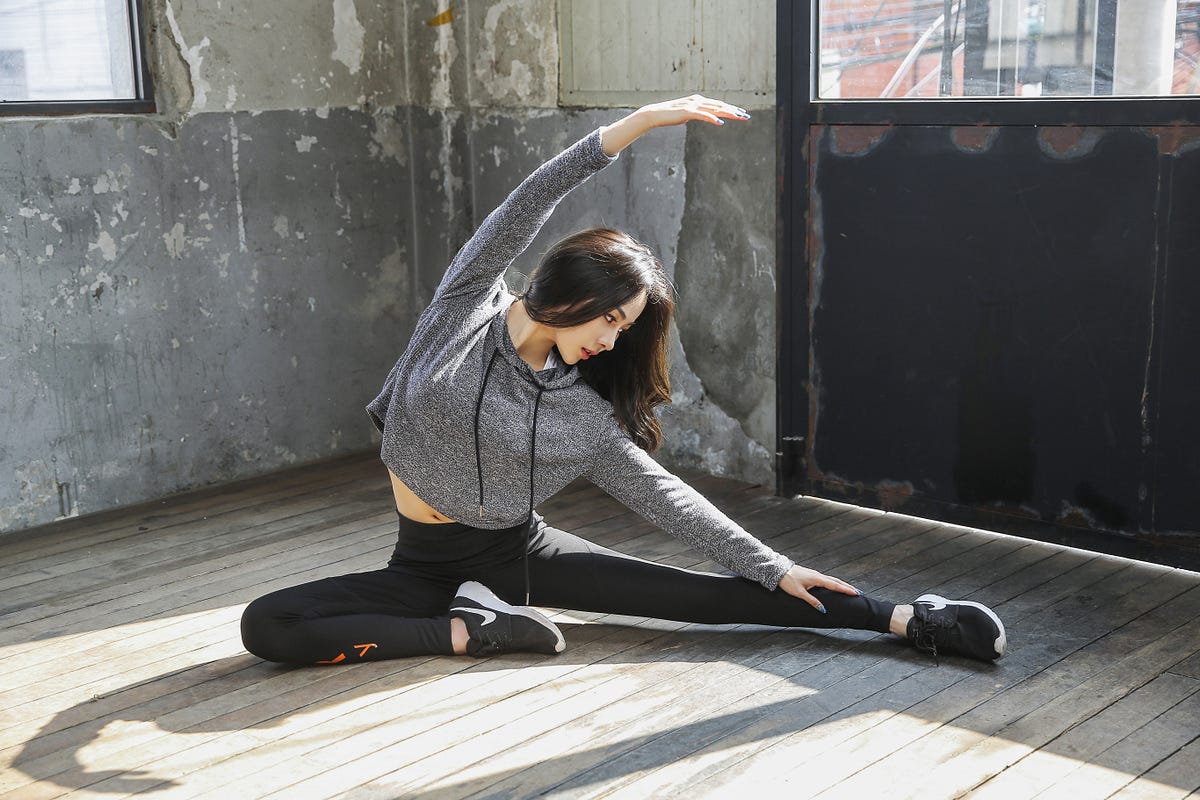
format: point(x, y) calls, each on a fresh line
point(956, 626)
point(493, 626)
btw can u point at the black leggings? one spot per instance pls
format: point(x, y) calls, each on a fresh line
point(402, 610)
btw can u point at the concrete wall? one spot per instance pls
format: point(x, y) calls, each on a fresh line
point(215, 292)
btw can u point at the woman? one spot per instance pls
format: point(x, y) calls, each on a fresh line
point(497, 403)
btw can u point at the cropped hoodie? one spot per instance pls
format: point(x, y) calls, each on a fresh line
point(483, 438)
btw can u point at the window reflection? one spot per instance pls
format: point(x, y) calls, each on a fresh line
point(899, 49)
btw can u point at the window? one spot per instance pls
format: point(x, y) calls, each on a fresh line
point(64, 56)
point(913, 49)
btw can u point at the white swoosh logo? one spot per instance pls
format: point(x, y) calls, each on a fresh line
point(488, 616)
point(936, 606)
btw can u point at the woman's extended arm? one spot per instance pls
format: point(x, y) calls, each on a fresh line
point(631, 476)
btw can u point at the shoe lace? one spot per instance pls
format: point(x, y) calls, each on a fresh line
point(493, 640)
point(928, 633)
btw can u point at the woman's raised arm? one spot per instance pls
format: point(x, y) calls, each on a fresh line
point(508, 230)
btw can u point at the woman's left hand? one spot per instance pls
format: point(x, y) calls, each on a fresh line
point(616, 137)
point(693, 107)
point(799, 580)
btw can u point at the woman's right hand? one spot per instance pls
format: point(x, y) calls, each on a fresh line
point(616, 137)
point(798, 580)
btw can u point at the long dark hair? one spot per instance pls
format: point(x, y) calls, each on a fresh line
point(588, 274)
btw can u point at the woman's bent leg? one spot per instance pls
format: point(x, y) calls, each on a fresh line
point(567, 571)
point(360, 617)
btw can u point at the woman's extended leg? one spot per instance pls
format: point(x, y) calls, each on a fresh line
point(359, 617)
point(567, 571)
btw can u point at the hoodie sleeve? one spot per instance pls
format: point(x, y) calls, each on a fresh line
point(508, 230)
point(630, 475)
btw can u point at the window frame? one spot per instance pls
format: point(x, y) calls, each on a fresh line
point(143, 84)
point(1100, 110)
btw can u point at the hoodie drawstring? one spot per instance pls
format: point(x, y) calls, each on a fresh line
point(478, 406)
point(537, 401)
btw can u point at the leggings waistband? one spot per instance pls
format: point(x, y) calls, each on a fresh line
point(455, 545)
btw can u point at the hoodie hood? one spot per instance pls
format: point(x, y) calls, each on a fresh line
point(559, 377)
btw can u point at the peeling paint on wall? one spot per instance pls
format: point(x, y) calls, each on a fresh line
point(519, 78)
point(193, 58)
point(36, 488)
point(388, 138)
point(237, 185)
point(261, 56)
point(105, 244)
point(511, 30)
point(175, 240)
point(445, 53)
point(348, 35)
point(452, 185)
point(389, 288)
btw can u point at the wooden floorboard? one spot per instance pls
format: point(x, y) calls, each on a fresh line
point(122, 672)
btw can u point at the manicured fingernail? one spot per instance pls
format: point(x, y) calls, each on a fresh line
point(720, 122)
point(821, 608)
point(860, 593)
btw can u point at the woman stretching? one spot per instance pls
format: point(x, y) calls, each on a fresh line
point(498, 402)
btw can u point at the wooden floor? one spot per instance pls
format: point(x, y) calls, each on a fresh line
point(122, 672)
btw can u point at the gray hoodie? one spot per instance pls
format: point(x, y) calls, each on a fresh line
point(483, 438)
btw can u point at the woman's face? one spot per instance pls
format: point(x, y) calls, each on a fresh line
point(588, 340)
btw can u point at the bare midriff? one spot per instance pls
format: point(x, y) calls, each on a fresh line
point(411, 506)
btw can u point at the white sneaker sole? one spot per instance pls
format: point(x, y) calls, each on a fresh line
point(473, 590)
point(1001, 643)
